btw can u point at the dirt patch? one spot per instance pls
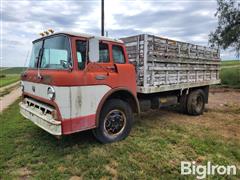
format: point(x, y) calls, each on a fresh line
point(222, 114)
point(10, 86)
point(75, 178)
point(218, 98)
point(61, 169)
point(23, 173)
point(8, 99)
point(111, 169)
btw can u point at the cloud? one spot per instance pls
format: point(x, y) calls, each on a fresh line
point(23, 20)
point(183, 23)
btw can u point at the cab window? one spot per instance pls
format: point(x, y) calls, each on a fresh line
point(103, 52)
point(35, 55)
point(118, 55)
point(81, 53)
point(56, 53)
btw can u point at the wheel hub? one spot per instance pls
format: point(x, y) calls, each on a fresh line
point(197, 103)
point(114, 122)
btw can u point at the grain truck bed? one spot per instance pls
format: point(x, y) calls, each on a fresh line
point(164, 65)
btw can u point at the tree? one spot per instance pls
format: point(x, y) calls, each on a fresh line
point(227, 33)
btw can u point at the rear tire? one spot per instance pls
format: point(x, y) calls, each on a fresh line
point(115, 121)
point(196, 102)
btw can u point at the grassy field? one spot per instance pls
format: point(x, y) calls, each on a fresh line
point(230, 73)
point(13, 70)
point(230, 63)
point(10, 75)
point(9, 79)
point(230, 77)
point(154, 149)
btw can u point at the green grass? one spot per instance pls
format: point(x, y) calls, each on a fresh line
point(230, 63)
point(14, 70)
point(10, 75)
point(154, 149)
point(9, 79)
point(230, 77)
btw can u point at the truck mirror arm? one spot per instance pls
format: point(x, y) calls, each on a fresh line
point(70, 67)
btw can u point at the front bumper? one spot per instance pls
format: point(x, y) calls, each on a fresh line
point(37, 113)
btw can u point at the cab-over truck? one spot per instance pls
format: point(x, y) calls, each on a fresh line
point(77, 82)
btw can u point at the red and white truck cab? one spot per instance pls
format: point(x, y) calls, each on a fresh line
point(74, 80)
point(77, 82)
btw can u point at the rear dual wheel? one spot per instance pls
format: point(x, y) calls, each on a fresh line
point(115, 121)
point(194, 103)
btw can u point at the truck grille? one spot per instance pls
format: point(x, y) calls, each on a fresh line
point(43, 115)
point(41, 108)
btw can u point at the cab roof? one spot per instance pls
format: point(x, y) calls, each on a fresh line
point(84, 35)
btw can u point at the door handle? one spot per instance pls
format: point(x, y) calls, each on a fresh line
point(112, 68)
point(100, 77)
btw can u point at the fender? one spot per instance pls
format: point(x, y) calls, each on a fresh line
point(109, 94)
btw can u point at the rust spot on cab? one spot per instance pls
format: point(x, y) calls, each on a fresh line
point(47, 79)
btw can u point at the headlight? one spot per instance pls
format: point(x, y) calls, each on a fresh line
point(22, 86)
point(51, 93)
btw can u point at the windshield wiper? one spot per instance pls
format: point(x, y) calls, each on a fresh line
point(39, 63)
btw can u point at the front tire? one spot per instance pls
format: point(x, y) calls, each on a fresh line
point(115, 121)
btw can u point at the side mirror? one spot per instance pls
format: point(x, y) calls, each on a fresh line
point(94, 50)
point(66, 64)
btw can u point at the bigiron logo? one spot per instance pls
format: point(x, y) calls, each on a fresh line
point(201, 171)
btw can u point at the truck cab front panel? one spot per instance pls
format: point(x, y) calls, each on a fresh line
point(79, 85)
point(76, 105)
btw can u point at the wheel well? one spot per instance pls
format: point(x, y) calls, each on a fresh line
point(127, 97)
point(205, 89)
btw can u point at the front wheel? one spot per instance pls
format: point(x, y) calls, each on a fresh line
point(115, 121)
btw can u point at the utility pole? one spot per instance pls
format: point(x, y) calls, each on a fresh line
point(102, 18)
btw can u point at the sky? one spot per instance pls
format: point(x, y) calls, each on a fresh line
point(184, 20)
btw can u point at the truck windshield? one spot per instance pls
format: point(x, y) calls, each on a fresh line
point(35, 54)
point(55, 53)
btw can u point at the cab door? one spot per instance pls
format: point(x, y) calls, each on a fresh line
point(113, 68)
point(126, 76)
point(101, 72)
